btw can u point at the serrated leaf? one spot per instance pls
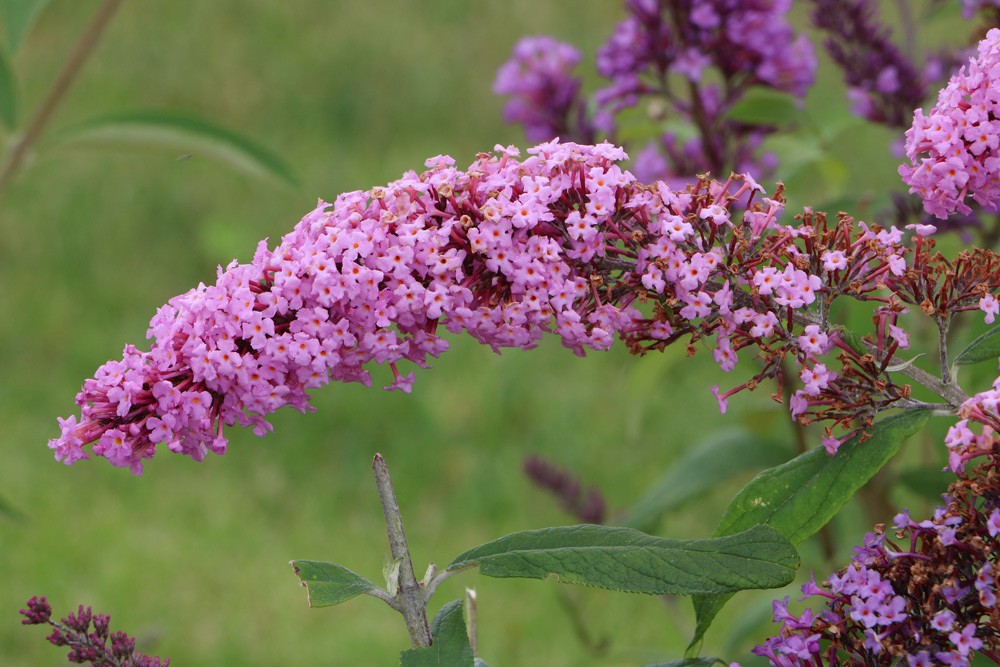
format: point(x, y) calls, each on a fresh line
point(760, 106)
point(799, 497)
point(702, 469)
point(624, 559)
point(18, 16)
point(449, 642)
point(8, 93)
point(179, 134)
point(329, 583)
point(689, 662)
point(984, 348)
point(927, 482)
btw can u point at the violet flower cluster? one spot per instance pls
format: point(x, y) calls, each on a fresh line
point(669, 52)
point(954, 152)
point(884, 86)
point(89, 637)
point(544, 95)
point(928, 595)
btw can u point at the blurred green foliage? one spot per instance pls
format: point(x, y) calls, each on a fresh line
point(193, 557)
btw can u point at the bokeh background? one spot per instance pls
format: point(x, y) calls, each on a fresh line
point(193, 557)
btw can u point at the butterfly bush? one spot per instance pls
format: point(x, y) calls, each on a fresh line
point(689, 59)
point(924, 592)
point(88, 637)
point(953, 151)
point(884, 85)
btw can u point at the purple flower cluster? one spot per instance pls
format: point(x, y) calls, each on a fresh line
point(561, 241)
point(954, 152)
point(930, 598)
point(884, 86)
point(544, 95)
point(662, 52)
point(89, 637)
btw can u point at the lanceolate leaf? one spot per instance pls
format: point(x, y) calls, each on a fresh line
point(8, 93)
point(701, 470)
point(984, 348)
point(624, 559)
point(801, 496)
point(17, 17)
point(181, 135)
point(328, 583)
point(449, 642)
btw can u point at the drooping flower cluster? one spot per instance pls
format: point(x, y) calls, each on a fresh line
point(884, 86)
point(544, 94)
point(89, 637)
point(928, 596)
point(954, 152)
point(661, 52)
point(586, 505)
point(563, 241)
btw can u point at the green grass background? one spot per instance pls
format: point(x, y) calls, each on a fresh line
point(193, 557)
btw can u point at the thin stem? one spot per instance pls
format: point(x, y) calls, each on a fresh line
point(84, 47)
point(410, 600)
point(942, 325)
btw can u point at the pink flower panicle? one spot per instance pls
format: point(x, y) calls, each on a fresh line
point(562, 241)
point(954, 152)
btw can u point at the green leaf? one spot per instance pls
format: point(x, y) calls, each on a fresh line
point(927, 482)
point(761, 106)
point(984, 348)
point(328, 583)
point(702, 469)
point(449, 642)
point(8, 93)
point(853, 341)
point(801, 496)
point(181, 135)
point(18, 16)
point(624, 559)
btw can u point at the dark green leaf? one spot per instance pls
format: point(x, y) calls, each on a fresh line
point(984, 348)
point(180, 135)
point(624, 559)
point(449, 642)
point(701, 469)
point(8, 93)
point(928, 482)
point(801, 496)
point(761, 106)
point(18, 16)
point(328, 583)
